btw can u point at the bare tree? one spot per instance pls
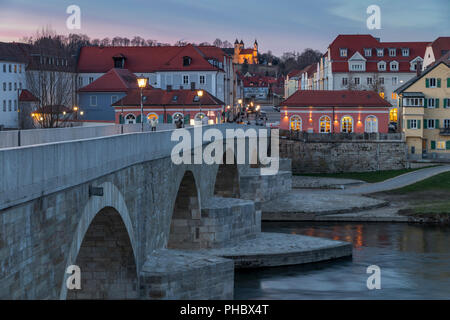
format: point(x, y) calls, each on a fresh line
point(151, 43)
point(218, 43)
point(117, 41)
point(105, 42)
point(226, 44)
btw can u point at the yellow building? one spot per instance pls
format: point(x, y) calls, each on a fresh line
point(242, 55)
point(425, 109)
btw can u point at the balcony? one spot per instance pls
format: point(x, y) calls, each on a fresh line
point(445, 132)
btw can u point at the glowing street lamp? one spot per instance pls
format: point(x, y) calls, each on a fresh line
point(142, 83)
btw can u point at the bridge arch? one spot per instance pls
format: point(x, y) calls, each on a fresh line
point(104, 247)
point(227, 177)
point(186, 216)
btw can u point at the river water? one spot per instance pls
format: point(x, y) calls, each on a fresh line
point(414, 261)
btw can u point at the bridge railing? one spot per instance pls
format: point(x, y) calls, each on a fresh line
point(20, 138)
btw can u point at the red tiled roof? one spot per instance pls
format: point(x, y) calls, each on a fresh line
point(357, 43)
point(337, 98)
point(27, 96)
point(440, 46)
point(115, 80)
point(159, 97)
point(143, 59)
point(294, 73)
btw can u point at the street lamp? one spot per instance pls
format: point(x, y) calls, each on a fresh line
point(142, 83)
point(200, 94)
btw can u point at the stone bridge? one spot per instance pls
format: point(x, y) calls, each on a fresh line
point(137, 225)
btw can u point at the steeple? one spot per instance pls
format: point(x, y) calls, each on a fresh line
point(236, 42)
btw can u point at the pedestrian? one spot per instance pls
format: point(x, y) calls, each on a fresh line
point(153, 122)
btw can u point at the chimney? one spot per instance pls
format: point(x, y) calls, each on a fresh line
point(193, 86)
point(418, 68)
point(169, 87)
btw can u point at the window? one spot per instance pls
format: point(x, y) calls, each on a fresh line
point(394, 81)
point(4, 105)
point(446, 103)
point(382, 94)
point(295, 123)
point(357, 80)
point(369, 81)
point(392, 52)
point(413, 124)
point(381, 80)
point(15, 68)
point(130, 118)
point(368, 52)
point(20, 85)
point(113, 99)
point(4, 67)
point(413, 102)
point(187, 61)
point(151, 116)
point(15, 105)
point(185, 79)
point(9, 105)
point(430, 103)
point(380, 52)
point(343, 52)
point(446, 123)
point(347, 124)
point(432, 83)
point(80, 82)
point(91, 79)
point(344, 81)
point(394, 66)
point(429, 124)
point(394, 96)
point(440, 145)
point(371, 124)
point(202, 79)
point(15, 86)
point(9, 68)
point(325, 124)
point(405, 52)
point(93, 101)
point(356, 67)
point(174, 98)
point(381, 66)
point(4, 86)
point(393, 115)
point(10, 86)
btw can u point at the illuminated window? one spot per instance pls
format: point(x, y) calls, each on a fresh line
point(371, 124)
point(440, 145)
point(393, 115)
point(343, 52)
point(295, 123)
point(152, 116)
point(130, 118)
point(382, 94)
point(394, 96)
point(325, 124)
point(347, 124)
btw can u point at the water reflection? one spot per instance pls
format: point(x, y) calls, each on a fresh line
point(414, 262)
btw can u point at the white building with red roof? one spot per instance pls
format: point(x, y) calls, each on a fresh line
point(182, 67)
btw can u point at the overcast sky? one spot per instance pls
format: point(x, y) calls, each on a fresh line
point(279, 25)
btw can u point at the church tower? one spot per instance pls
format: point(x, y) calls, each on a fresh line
point(255, 52)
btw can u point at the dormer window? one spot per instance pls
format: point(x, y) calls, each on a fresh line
point(392, 52)
point(343, 52)
point(174, 98)
point(368, 52)
point(196, 98)
point(119, 61)
point(405, 52)
point(381, 66)
point(380, 52)
point(187, 61)
point(393, 66)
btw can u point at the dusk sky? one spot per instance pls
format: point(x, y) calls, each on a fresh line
point(280, 26)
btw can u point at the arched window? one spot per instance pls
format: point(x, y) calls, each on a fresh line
point(177, 115)
point(325, 124)
point(347, 124)
point(130, 118)
point(295, 123)
point(371, 124)
point(152, 116)
point(199, 116)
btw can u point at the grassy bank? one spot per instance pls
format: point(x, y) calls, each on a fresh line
point(440, 182)
point(371, 177)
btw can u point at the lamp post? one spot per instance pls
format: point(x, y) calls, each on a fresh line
point(200, 95)
point(142, 83)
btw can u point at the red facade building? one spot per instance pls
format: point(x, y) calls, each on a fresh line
point(322, 111)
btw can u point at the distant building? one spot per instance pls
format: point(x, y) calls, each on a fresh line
point(425, 105)
point(325, 111)
point(242, 55)
point(166, 105)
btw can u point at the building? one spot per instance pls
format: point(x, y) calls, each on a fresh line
point(435, 50)
point(206, 67)
point(363, 62)
point(13, 64)
point(425, 104)
point(96, 99)
point(292, 82)
point(327, 111)
point(242, 55)
point(166, 105)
